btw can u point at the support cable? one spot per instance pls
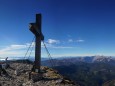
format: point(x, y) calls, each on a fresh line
point(31, 51)
point(49, 55)
point(30, 55)
point(50, 58)
point(29, 47)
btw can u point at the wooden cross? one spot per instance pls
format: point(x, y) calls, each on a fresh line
point(35, 28)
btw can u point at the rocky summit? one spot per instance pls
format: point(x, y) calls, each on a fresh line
point(18, 75)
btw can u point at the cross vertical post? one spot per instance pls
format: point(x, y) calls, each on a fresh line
point(35, 28)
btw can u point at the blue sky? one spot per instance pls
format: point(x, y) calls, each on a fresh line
point(70, 27)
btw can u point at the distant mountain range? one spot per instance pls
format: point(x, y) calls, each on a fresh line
point(70, 60)
point(86, 71)
point(88, 59)
point(76, 60)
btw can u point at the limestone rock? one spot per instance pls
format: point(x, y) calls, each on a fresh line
point(50, 77)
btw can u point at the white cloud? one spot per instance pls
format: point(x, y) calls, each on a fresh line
point(80, 40)
point(53, 41)
point(61, 47)
point(13, 47)
point(17, 46)
point(70, 40)
point(54, 46)
point(15, 50)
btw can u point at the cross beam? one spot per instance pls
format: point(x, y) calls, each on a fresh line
point(35, 28)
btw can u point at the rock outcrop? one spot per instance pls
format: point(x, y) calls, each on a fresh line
point(18, 75)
